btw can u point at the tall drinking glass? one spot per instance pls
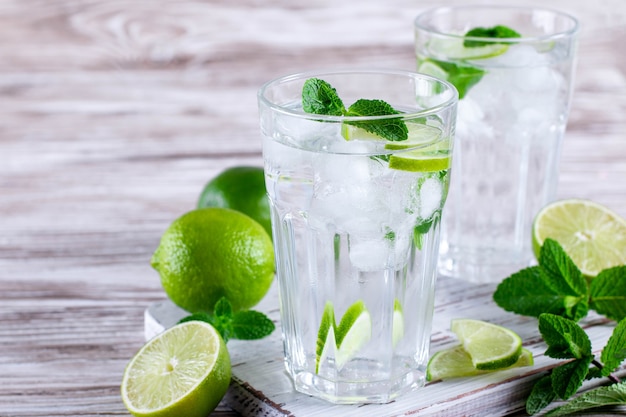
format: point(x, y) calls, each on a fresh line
point(355, 221)
point(514, 91)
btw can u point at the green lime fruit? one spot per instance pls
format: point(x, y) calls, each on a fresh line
point(455, 362)
point(343, 340)
point(211, 253)
point(184, 371)
point(239, 188)
point(490, 346)
point(591, 234)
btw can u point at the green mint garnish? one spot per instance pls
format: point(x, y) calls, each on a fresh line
point(390, 129)
point(319, 97)
point(496, 32)
point(556, 292)
point(567, 340)
point(557, 286)
point(463, 77)
point(242, 325)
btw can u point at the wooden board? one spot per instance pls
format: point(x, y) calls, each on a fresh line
point(261, 386)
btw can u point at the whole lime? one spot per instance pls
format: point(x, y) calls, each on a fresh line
point(239, 188)
point(211, 253)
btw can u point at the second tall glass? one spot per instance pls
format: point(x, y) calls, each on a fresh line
point(513, 67)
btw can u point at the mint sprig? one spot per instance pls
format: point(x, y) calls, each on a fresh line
point(495, 32)
point(557, 286)
point(567, 340)
point(319, 97)
point(463, 77)
point(242, 325)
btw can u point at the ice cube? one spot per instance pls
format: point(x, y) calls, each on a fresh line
point(430, 194)
point(369, 255)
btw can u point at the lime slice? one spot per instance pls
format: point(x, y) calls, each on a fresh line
point(325, 336)
point(455, 362)
point(591, 234)
point(184, 371)
point(428, 67)
point(490, 346)
point(419, 135)
point(421, 160)
point(453, 49)
point(353, 332)
point(397, 329)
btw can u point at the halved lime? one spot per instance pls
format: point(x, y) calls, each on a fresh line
point(184, 371)
point(455, 362)
point(325, 336)
point(353, 332)
point(453, 49)
point(428, 67)
point(591, 234)
point(490, 346)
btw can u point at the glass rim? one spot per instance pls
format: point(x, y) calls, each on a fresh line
point(278, 108)
point(575, 25)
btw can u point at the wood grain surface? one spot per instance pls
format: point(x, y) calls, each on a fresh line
point(115, 113)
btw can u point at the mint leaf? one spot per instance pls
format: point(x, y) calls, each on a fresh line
point(527, 293)
point(569, 377)
point(608, 293)
point(205, 317)
point(249, 325)
point(243, 325)
point(319, 97)
point(498, 32)
point(612, 395)
point(564, 337)
point(390, 129)
point(614, 353)
point(541, 395)
point(562, 273)
point(461, 76)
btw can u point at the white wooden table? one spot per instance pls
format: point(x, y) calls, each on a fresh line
point(113, 116)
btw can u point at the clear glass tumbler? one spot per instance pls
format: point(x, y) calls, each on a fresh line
point(514, 95)
point(355, 221)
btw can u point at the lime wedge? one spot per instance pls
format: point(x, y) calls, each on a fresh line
point(428, 67)
point(490, 346)
point(325, 336)
point(397, 329)
point(353, 332)
point(455, 362)
point(591, 234)
point(421, 160)
point(184, 371)
point(419, 135)
point(453, 49)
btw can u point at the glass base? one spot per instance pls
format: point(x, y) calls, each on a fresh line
point(358, 392)
point(483, 266)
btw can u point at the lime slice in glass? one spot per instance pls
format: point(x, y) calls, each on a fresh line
point(591, 234)
point(184, 371)
point(420, 160)
point(455, 362)
point(397, 328)
point(490, 346)
point(453, 49)
point(326, 344)
point(353, 332)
